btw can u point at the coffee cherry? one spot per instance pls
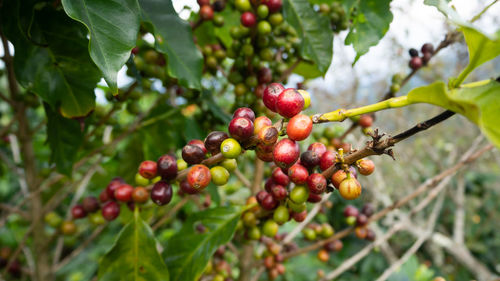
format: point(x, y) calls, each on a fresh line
point(276, 19)
point(368, 210)
point(327, 160)
point(78, 212)
point(90, 204)
point(415, 63)
point(427, 48)
point(147, 169)
point(278, 177)
point(110, 210)
point(365, 121)
point(260, 123)
point(280, 268)
point(199, 176)
point(413, 52)
point(370, 235)
point(286, 152)
point(230, 148)
point(229, 164)
point(268, 186)
point(161, 194)
point(262, 11)
point(53, 219)
point(365, 167)
point(213, 141)
point(270, 228)
point(326, 230)
point(124, 193)
point(316, 183)
point(268, 202)
point(167, 167)
point(264, 75)
point(350, 188)
point(268, 135)
point(261, 195)
point(281, 215)
point(361, 220)
point(269, 262)
point(395, 88)
point(264, 28)
point(249, 219)
point(350, 211)
point(206, 13)
point(187, 188)
point(306, 96)
point(181, 164)
point(248, 19)
point(299, 194)
point(271, 94)
point(219, 175)
point(241, 128)
point(140, 180)
point(314, 198)
point(68, 228)
point(298, 174)
point(219, 5)
point(242, 5)
point(309, 234)
point(278, 192)
point(309, 159)
point(338, 177)
point(360, 232)
point(203, 2)
point(323, 255)
point(218, 21)
point(192, 154)
point(104, 197)
point(299, 127)
point(244, 112)
point(273, 5)
point(254, 233)
point(300, 216)
point(318, 148)
point(289, 103)
point(140, 195)
point(296, 207)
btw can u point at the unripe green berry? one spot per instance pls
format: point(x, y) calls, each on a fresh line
point(395, 88)
point(281, 215)
point(309, 234)
point(254, 233)
point(264, 28)
point(155, 180)
point(270, 228)
point(230, 148)
point(249, 219)
point(262, 11)
point(351, 220)
point(299, 194)
point(218, 20)
point(96, 218)
point(327, 230)
point(276, 19)
point(229, 164)
point(53, 219)
point(181, 164)
point(220, 175)
point(242, 5)
point(140, 180)
point(297, 208)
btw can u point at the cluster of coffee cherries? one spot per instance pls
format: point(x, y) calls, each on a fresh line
point(417, 61)
point(218, 268)
point(359, 219)
point(339, 20)
point(207, 10)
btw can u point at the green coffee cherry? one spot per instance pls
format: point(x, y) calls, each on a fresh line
point(264, 28)
point(96, 218)
point(181, 164)
point(299, 194)
point(297, 208)
point(270, 228)
point(230, 148)
point(351, 220)
point(309, 234)
point(53, 219)
point(262, 11)
point(326, 230)
point(229, 164)
point(281, 215)
point(220, 175)
point(254, 233)
point(140, 180)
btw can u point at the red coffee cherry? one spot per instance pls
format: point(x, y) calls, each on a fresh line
point(334, 246)
point(261, 195)
point(214, 140)
point(426, 57)
point(110, 189)
point(271, 94)
point(350, 188)
point(365, 121)
point(140, 195)
point(269, 203)
point(203, 2)
point(316, 183)
point(278, 177)
point(90, 204)
point(78, 212)
point(264, 75)
point(244, 112)
point(260, 123)
point(124, 193)
point(241, 128)
point(361, 219)
point(273, 5)
point(415, 63)
point(110, 210)
point(368, 210)
point(167, 167)
point(199, 144)
point(187, 188)
point(299, 127)
point(268, 135)
point(289, 103)
point(298, 174)
point(350, 211)
point(318, 148)
point(299, 217)
point(206, 12)
point(279, 192)
point(103, 196)
point(309, 159)
point(199, 177)
point(248, 19)
point(427, 48)
point(327, 160)
point(361, 232)
point(269, 184)
point(314, 198)
point(192, 154)
point(286, 152)
point(365, 167)
point(262, 155)
point(161, 194)
point(259, 90)
point(338, 177)
point(370, 235)
point(147, 169)
point(323, 255)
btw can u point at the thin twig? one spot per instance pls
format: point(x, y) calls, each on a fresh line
point(171, 212)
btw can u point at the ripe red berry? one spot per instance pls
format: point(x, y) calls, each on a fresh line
point(314, 198)
point(90, 204)
point(365, 167)
point(268, 135)
point(316, 183)
point(278, 192)
point(271, 94)
point(289, 103)
point(268, 202)
point(334, 246)
point(273, 5)
point(427, 48)
point(298, 174)
point(309, 159)
point(261, 195)
point(426, 57)
point(370, 235)
point(286, 152)
point(124, 193)
point(199, 144)
point(318, 148)
point(248, 19)
point(350, 188)
point(338, 177)
point(148, 169)
point(368, 210)
point(167, 167)
point(199, 177)
point(244, 112)
point(299, 217)
point(110, 189)
point(365, 120)
point(260, 123)
point(187, 188)
point(262, 155)
point(361, 219)
point(350, 211)
point(214, 140)
point(299, 127)
point(203, 2)
point(135, 50)
point(192, 154)
point(259, 90)
point(415, 63)
point(140, 195)
point(327, 160)
point(161, 194)
point(278, 177)
point(110, 210)
point(103, 196)
point(264, 75)
point(78, 212)
point(206, 12)
point(241, 128)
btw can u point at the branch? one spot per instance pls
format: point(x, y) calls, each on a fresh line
point(459, 222)
point(258, 176)
point(241, 177)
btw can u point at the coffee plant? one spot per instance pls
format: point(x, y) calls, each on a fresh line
point(139, 145)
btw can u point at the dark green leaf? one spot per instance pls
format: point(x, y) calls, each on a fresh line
point(64, 137)
point(231, 18)
point(174, 38)
point(216, 110)
point(134, 255)
point(369, 25)
point(188, 251)
point(313, 30)
point(113, 26)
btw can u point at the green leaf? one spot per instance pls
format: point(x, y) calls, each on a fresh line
point(307, 70)
point(479, 102)
point(231, 18)
point(175, 39)
point(64, 137)
point(113, 27)
point(51, 57)
point(188, 251)
point(208, 98)
point(369, 25)
point(313, 30)
point(134, 255)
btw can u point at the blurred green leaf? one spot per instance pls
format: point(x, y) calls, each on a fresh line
point(113, 27)
point(231, 18)
point(307, 70)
